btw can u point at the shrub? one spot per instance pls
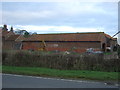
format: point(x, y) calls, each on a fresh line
point(60, 61)
point(119, 51)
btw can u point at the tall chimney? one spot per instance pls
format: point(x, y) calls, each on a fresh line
point(11, 29)
point(5, 27)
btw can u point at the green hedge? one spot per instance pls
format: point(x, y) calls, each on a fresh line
point(60, 61)
point(119, 51)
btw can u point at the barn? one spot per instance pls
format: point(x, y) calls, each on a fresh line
point(8, 38)
point(76, 42)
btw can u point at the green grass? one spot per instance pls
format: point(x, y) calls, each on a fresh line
point(73, 74)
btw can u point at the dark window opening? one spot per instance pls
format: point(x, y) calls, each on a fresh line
point(103, 47)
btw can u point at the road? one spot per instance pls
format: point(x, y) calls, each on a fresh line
point(21, 81)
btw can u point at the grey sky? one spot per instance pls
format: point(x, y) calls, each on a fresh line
point(57, 17)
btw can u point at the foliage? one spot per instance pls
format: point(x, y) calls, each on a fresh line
point(26, 34)
point(60, 61)
point(119, 51)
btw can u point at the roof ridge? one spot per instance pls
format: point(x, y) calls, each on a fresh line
point(107, 35)
point(70, 33)
point(63, 37)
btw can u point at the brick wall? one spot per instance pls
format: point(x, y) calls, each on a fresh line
point(62, 46)
point(31, 45)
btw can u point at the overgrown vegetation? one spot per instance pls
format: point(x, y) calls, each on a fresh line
point(61, 61)
point(119, 51)
point(73, 74)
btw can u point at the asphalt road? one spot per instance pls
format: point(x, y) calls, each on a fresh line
point(20, 81)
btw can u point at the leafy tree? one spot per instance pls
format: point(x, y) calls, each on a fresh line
point(26, 34)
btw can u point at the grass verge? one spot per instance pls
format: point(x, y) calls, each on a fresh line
point(72, 74)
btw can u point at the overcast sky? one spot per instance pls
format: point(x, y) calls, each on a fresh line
point(61, 17)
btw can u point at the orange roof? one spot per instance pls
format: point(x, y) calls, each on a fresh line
point(10, 33)
point(4, 33)
point(95, 36)
point(12, 37)
point(108, 36)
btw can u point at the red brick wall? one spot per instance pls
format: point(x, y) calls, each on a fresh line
point(62, 46)
point(31, 45)
point(75, 44)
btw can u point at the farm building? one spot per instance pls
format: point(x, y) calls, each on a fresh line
point(8, 38)
point(77, 42)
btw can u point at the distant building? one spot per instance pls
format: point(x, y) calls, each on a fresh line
point(20, 32)
point(8, 38)
point(76, 42)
